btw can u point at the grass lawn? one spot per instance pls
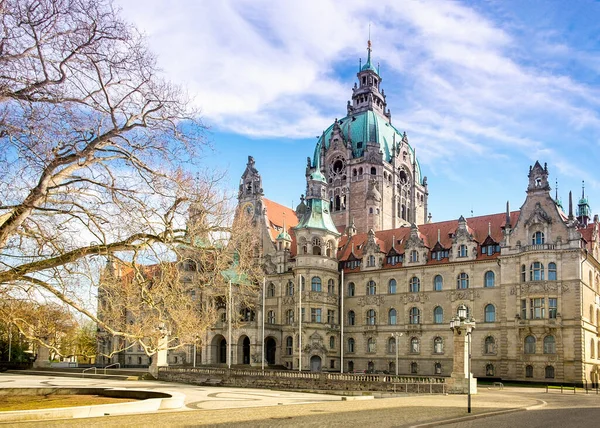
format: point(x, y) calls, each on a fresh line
point(33, 402)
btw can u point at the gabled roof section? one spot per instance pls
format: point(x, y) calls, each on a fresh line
point(478, 227)
point(275, 216)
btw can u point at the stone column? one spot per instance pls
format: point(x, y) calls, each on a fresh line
point(460, 377)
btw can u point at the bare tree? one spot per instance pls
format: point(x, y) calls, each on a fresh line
point(94, 149)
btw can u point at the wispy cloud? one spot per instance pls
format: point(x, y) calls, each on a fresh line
point(463, 85)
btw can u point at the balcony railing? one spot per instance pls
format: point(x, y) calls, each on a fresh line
point(537, 247)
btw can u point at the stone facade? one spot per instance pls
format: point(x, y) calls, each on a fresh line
point(529, 278)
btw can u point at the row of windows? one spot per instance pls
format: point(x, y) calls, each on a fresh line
point(415, 345)
point(315, 316)
point(415, 315)
point(414, 284)
point(536, 272)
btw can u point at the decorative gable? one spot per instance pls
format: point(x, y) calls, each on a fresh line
point(372, 252)
point(464, 246)
point(538, 216)
point(415, 249)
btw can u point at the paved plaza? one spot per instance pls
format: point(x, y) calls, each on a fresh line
point(222, 406)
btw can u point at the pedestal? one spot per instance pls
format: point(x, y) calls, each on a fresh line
point(460, 377)
point(43, 357)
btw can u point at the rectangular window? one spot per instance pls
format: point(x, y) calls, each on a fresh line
point(537, 309)
point(332, 364)
point(330, 316)
point(524, 309)
point(552, 307)
point(315, 315)
point(303, 317)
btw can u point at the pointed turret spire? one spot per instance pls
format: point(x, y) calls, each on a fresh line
point(570, 205)
point(507, 222)
point(584, 212)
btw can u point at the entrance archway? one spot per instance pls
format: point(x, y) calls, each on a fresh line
point(270, 349)
point(244, 350)
point(219, 350)
point(315, 363)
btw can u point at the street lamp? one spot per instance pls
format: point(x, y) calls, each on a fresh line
point(460, 324)
point(396, 336)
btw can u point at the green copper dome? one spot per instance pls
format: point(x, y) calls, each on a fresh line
point(284, 236)
point(364, 127)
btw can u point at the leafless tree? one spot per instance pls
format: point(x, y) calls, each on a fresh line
point(96, 151)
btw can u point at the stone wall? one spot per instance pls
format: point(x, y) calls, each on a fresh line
point(303, 380)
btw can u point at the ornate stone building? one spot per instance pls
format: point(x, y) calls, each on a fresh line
point(378, 278)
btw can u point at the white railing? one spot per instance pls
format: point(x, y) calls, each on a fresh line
point(91, 368)
point(117, 365)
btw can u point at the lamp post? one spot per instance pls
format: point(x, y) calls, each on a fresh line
point(396, 335)
point(463, 324)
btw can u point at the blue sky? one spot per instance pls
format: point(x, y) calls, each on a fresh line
point(482, 88)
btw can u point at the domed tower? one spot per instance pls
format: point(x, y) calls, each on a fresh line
point(371, 172)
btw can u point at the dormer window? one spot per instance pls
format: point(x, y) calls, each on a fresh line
point(462, 250)
point(414, 256)
point(537, 238)
point(371, 261)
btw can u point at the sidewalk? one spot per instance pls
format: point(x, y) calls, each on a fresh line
point(389, 412)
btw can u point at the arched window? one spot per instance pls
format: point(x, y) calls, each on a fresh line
point(351, 318)
point(350, 289)
point(529, 371)
point(537, 238)
point(591, 314)
point(373, 170)
point(371, 317)
point(289, 316)
point(551, 271)
point(360, 171)
point(414, 285)
point(371, 288)
point(415, 346)
point(351, 345)
point(462, 281)
point(371, 345)
point(271, 290)
point(271, 317)
point(489, 345)
point(592, 349)
point(536, 271)
point(530, 345)
point(490, 313)
point(549, 372)
point(437, 368)
point(392, 286)
point(489, 370)
point(316, 246)
point(354, 173)
point(315, 284)
point(438, 345)
point(351, 366)
point(289, 289)
point(438, 283)
point(415, 316)
point(391, 345)
point(438, 315)
point(330, 286)
point(392, 317)
point(331, 342)
point(414, 367)
point(289, 345)
point(489, 279)
point(462, 250)
point(328, 248)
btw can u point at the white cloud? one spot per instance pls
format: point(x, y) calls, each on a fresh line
point(460, 83)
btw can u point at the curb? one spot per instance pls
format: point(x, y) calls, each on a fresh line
point(540, 404)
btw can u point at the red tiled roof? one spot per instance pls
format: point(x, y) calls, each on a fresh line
point(275, 215)
point(477, 226)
